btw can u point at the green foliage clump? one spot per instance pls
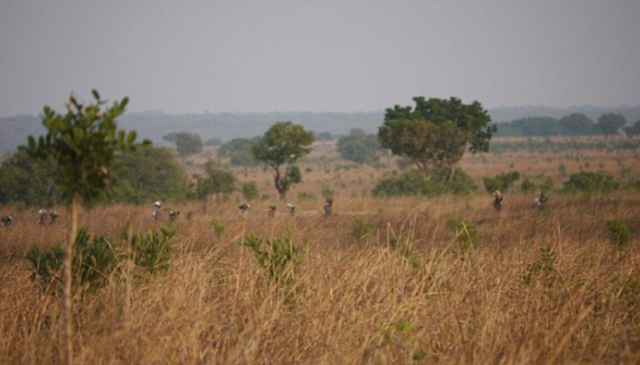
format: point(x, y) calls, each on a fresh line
point(218, 228)
point(187, 144)
point(218, 182)
point(27, 180)
point(528, 186)
point(618, 233)
point(92, 263)
point(359, 147)
point(502, 182)
point(545, 266)
point(327, 192)
point(412, 183)
point(279, 260)
point(143, 175)
point(238, 150)
point(465, 232)
point(590, 182)
point(361, 229)
point(250, 191)
point(152, 251)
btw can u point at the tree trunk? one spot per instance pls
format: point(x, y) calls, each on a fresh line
point(67, 278)
point(452, 172)
point(282, 192)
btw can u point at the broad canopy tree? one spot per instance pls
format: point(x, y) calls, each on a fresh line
point(283, 144)
point(437, 132)
point(610, 123)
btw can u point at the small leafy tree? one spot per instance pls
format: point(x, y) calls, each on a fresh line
point(219, 182)
point(188, 144)
point(82, 145)
point(283, 144)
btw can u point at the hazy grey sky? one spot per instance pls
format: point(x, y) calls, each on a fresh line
point(325, 55)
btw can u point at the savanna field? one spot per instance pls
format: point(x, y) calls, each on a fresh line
point(396, 280)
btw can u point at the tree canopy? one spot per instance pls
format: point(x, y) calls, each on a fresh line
point(576, 124)
point(239, 152)
point(609, 123)
point(282, 144)
point(186, 143)
point(437, 132)
point(359, 147)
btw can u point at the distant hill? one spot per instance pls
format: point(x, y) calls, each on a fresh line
point(225, 126)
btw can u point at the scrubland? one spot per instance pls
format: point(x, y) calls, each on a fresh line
point(535, 287)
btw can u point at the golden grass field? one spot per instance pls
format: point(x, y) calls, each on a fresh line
point(420, 301)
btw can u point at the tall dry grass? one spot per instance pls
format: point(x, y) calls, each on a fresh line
point(419, 300)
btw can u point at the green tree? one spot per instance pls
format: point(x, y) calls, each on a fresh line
point(219, 182)
point(188, 144)
point(609, 123)
point(437, 132)
point(239, 152)
point(537, 126)
point(26, 180)
point(284, 143)
point(250, 191)
point(82, 144)
point(632, 131)
point(576, 124)
point(148, 174)
point(359, 147)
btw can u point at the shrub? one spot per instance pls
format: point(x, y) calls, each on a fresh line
point(464, 230)
point(218, 228)
point(618, 233)
point(412, 183)
point(152, 251)
point(250, 191)
point(590, 182)
point(92, 263)
point(527, 186)
point(279, 260)
point(502, 182)
point(361, 229)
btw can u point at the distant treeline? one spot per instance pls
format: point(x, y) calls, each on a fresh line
point(576, 124)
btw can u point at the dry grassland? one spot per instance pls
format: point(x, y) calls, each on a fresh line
point(404, 294)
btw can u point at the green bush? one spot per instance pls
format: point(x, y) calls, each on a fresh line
point(152, 251)
point(528, 186)
point(412, 183)
point(360, 229)
point(279, 260)
point(464, 230)
point(92, 264)
point(590, 182)
point(618, 233)
point(502, 182)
